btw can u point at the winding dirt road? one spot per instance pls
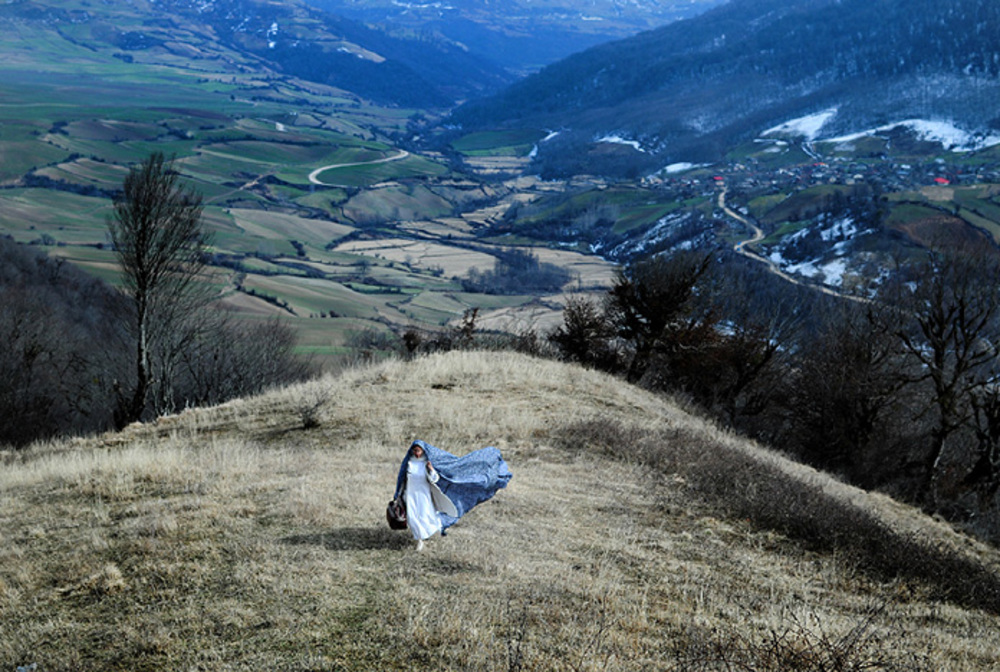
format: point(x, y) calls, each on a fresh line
point(313, 176)
point(756, 237)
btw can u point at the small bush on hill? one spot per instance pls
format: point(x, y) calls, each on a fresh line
point(804, 645)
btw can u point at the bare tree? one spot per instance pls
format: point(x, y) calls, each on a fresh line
point(746, 366)
point(954, 339)
point(157, 234)
point(52, 379)
point(649, 307)
point(231, 358)
point(586, 335)
point(846, 392)
point(985, 473)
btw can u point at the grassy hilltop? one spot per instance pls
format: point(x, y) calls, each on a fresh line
point(632, 536)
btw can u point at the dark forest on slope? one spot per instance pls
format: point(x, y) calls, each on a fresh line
point(692, 88)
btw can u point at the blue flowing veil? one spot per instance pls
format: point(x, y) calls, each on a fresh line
point(466, 480)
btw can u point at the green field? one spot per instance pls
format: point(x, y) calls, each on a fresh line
point(803, 204)
point(497, 143)
point(630, 208)
point(786, 229)
point(369, 174)
point(761, 205)
point(769, 154)
point(906, 213)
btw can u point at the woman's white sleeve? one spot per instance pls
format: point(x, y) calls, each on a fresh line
point(432, 475)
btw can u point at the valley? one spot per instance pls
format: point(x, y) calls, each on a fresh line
point(521, 36)
point(321, 217)
point(355, 220)
point(316, 216)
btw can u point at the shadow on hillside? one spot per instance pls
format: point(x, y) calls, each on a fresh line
point(353, 539)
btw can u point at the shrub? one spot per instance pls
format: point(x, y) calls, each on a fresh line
point(586, 336)
point(804, 645)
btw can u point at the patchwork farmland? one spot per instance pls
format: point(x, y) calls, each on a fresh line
point(315, 215)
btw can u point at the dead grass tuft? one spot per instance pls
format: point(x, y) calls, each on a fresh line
point(803, 644)
point(106, 581)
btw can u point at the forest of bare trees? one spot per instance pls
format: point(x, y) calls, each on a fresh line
point(81, 356)
point(897, 392)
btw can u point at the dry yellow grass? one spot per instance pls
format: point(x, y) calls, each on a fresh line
point(231, 538)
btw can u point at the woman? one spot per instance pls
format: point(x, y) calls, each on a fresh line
point(421, 515)
point(439, 487)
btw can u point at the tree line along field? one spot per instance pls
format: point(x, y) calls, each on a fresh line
point(282, 244)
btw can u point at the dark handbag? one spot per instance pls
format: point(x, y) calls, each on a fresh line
point(395, 514)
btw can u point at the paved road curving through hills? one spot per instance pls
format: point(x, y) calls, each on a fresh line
point(314, 175)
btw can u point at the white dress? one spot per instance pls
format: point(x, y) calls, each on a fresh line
point(421, 516)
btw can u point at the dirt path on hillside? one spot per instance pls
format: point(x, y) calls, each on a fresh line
point(313, 176)
point(757, 235)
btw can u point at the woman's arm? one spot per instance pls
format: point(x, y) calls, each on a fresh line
point(432, 474)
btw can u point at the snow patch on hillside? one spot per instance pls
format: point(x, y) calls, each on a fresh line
point(830, 273)
point(673, 232)
point(619, 140)
point(808, 127)
point(681, 167)
point(423, 5)
point(534, 150)
point(828, 266)
point(945, 132)
point(950, 136)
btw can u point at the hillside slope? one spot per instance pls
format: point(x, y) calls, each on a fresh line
point(690, 89)
point(237, 36)
point(232, 538)
point(520, 35)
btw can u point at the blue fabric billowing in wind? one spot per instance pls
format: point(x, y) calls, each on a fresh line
point(467, 480)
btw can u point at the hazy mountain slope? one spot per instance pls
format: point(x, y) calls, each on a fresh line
point(288, 37)
point(521, 35)
point(688, 88)
point(233, 538)
point(326, 48)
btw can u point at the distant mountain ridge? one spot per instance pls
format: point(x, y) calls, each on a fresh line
point(288, 37)
point(320, 46)
point(689, 89)
point(520, 35)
